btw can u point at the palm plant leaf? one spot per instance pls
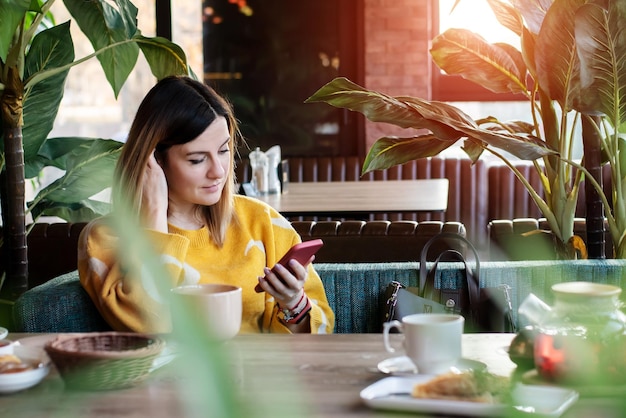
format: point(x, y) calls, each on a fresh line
point(447, 123)
point(89, 168)
point(379, 107)
point(602, 51)
point(105, 26)
point(528, 42)
point(557, 65)
point(462, 52)
point(522, 145)
point(164, 57)
point(387, 152)
point(533, 12)
point(11, 14)
point(507, 16)
point(79, 211)
point(50, 49)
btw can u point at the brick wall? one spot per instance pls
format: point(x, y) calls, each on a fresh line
point(397, 61)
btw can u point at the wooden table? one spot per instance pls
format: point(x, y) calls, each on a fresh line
point(354, 198)
point(262, 375)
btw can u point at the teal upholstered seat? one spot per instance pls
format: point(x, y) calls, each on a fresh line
point(59, 305)
point(355, 291)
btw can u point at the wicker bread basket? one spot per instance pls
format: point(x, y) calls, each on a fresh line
point(101, 361)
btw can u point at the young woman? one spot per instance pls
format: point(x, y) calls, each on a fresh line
point(176, 173)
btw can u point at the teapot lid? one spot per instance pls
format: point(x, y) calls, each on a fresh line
point(585, 289)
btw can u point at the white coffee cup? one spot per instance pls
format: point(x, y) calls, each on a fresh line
point(431, 341)
point(215, 308)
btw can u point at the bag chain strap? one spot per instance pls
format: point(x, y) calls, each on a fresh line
point(393, 300)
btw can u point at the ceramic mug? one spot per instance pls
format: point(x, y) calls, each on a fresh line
point(431, 341)
point(215, 308)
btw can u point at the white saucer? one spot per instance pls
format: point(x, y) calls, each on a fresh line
point(403, 365)
point(3, 333)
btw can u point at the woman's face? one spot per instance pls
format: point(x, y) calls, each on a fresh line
point(197, 171)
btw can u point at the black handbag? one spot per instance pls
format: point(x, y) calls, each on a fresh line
point(485, 309)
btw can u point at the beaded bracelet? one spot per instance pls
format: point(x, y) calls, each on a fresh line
point(297, 313)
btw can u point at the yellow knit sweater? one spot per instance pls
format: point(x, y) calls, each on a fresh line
point(259, 238)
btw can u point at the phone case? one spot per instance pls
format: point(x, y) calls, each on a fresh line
point(300, 252)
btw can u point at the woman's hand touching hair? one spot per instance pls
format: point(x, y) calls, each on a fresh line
point(154, 196)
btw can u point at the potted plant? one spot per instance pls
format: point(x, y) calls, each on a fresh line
point(36, 54)
point(570, 57)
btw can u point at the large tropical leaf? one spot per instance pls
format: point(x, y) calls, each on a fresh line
point(50, 49)
point(89, 169)
point(528, 42)
point(446, 122)
point(524, 146)
point(507, 16)
point(164, 57)
point(11, 14)
point(379, 107)
point(57, 151)
point(465, 53)
point(555, 53)
point(390, 151)
point(105, 26)
point(79, 211)
point(533, 12)
point(602, 51)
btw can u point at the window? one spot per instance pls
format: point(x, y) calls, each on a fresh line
point(268, 56)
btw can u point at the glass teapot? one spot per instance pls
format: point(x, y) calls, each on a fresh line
point(581, 339)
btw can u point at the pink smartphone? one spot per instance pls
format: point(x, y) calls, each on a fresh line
point(300, 252)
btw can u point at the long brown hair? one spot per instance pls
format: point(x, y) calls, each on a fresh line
point(175, 111)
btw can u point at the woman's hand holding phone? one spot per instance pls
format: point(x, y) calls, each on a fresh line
point(303, 253)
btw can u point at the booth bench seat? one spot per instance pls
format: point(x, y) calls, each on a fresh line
point(354, 290)
point(52, 247)
point(529, 239)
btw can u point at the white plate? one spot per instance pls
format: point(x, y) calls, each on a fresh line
point(3, 333)
point(393, 393)
point(14, 382)
point(400, 366)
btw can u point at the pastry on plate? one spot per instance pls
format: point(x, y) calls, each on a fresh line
point(469, 386)
point(10, 363)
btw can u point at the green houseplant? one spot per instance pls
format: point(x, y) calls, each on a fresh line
point(35, 57)
point(568, 69)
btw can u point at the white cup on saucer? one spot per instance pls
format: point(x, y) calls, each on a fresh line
point(431, 341)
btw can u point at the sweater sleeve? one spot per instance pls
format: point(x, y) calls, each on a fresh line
point(129, 299)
